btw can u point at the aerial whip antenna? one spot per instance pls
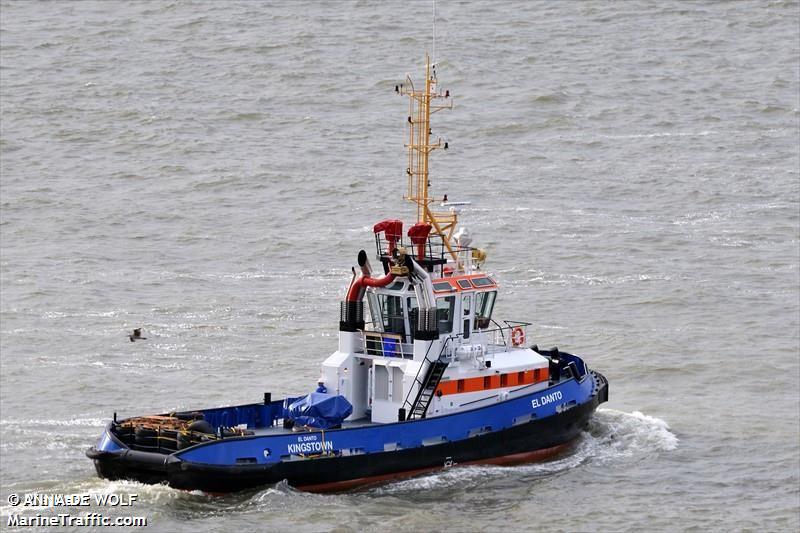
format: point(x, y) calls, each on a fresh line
point(423, 102)
point(433, 47)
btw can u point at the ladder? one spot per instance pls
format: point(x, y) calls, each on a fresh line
point(428, 385)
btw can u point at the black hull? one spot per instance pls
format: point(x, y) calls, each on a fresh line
point(531, 441)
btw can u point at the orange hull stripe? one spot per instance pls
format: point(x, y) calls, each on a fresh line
point(494, 381)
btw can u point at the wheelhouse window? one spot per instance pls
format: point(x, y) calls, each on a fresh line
point(397, 286)
point(482, 282)
point(444, 313)
point(391, 314)
point(374, 311)
point(413, 315)
point(443, 286)
point(466, 306)
point(483, 308)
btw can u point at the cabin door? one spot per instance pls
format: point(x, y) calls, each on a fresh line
point(466, 306)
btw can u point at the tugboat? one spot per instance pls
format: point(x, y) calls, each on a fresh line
point(424, 379)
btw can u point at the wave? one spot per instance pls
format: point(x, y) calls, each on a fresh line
point(612, 436)
point(87, 422)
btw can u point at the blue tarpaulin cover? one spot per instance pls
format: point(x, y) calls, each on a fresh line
point(320, 410)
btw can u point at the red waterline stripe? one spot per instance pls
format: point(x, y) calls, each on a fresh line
point(513, 459)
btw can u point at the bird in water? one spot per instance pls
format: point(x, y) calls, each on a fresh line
point(136, 335)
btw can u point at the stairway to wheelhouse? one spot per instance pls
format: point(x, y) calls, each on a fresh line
point(432, 379)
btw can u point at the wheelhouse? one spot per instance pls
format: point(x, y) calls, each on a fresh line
point(463, 304)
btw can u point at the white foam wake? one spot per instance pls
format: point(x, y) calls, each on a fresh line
point(612, 436)
point(623, 434)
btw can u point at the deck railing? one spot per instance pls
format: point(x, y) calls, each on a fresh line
point(513, 334)
point(387, 345)
point(435, 254)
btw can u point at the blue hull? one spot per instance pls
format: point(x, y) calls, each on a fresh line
point(528, 427)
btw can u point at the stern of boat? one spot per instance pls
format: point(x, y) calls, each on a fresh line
point(114, 460)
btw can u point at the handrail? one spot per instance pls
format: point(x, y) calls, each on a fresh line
point(416, 377)
point(499, 336)
point(377, 337)
point(423, 383)
point(499, 328)
point(436, 252)
point(514, 323)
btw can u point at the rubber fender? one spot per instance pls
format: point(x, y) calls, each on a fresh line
point(184, 441)
point(201, 426)
point(144, 436)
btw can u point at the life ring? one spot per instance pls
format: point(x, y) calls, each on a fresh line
point(517, 336)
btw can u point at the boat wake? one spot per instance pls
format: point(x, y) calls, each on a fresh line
point(620, 434)
point(612, 436)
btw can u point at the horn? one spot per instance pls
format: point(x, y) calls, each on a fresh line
point(363, 262)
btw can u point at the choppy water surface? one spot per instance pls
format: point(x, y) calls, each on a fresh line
point(208, 171)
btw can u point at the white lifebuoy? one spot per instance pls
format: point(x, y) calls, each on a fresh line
point(517, 336)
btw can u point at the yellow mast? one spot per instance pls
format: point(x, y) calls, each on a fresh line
point(419, 146)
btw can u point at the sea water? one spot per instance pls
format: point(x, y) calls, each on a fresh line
point(208, 171)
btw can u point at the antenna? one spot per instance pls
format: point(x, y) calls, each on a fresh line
point(421, 107)
point(433, 48)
